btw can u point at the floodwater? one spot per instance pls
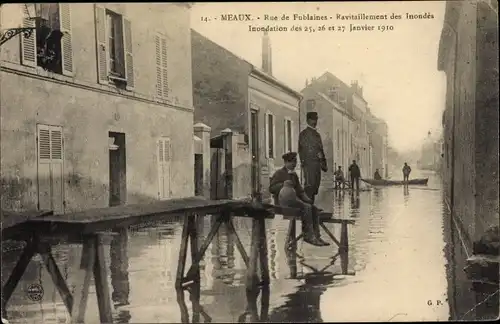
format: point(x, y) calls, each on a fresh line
point(396, 251)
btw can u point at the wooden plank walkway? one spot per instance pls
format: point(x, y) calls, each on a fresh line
point(89, 226)
point(13, 218)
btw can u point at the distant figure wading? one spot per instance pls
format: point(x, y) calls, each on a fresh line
point(406, 172)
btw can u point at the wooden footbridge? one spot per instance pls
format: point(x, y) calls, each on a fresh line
point(41, 230)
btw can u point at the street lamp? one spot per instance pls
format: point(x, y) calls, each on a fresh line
point(33, 12)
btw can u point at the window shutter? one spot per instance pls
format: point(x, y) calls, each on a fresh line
point(66, 45)
point(101, 51)
point(164, 167)
point(266, 132)
point(274, 136)
point(43, 143)
point(28, 45)
point(285, 133)
point(164, 65)
point(167, 166)
point(161, 157)
point(159, 70)
point(168, 150)
point(56, 169)
point(129, 55)
point(292, 141)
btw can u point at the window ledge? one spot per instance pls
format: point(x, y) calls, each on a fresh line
point(117, 78)
point(39, 72)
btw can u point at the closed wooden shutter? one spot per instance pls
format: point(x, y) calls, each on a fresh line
point(50, 168)
point(164, 167)
point(56, 169)
point(162, 85)
point(128, 52)
point(266, 135)
point(43, 174)
point(285, 137)
point(102, 57)
point(28, 45)
point(66, 45)
point(164, 65)
point(161, 157)
point(159, 70)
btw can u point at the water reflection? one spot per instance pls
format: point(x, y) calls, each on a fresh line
point(304, 304)
point(406, 194)
point(393, 236)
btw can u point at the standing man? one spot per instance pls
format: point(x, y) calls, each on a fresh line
point(406, 172)
point(355, 175)
point(313, 161)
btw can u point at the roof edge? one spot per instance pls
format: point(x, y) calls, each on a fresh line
point(275, 81)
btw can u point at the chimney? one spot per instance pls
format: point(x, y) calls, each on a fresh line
point(267, 60)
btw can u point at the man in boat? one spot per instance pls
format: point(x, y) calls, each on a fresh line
point(285, 187)
point(377, 175)
point(406, 172)
point(339, 177)
point(355, 174)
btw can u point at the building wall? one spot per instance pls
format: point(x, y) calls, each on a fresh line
point(87, 111)
point(469, 56)
point(344, 140)
point(269, 98)
point(220, 86)
point(487, 117)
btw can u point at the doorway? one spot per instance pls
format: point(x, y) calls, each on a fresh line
point(254, 133)
point(117, 169)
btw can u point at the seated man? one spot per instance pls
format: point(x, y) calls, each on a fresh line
point(377, 175)
point(339, 177)
point(292, 195)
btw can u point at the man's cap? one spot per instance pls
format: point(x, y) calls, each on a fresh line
point(312, 115)
point(289, 157)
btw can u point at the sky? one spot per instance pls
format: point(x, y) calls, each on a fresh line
point(397, 68)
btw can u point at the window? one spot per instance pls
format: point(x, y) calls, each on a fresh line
point(342, 100)
point(333, 93)
point(114, 48)
point(50, 45)
point(164, 167)
point(270, 134)
point(114, 29)
point(161, 67)
point(50, 168)
point(310, 104)
point(288, 136)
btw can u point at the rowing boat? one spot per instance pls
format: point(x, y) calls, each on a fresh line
point(385, 182)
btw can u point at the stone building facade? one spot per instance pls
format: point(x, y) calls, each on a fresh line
point(344, 120)
point(99, 116)
point(255, 116)
point(468, 54)
point(379, 144)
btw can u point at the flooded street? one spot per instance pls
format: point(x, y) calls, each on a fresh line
point(396, 250)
